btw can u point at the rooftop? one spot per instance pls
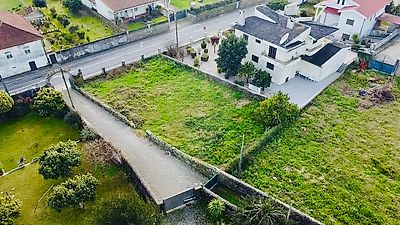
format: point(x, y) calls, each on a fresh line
point(319, 30)
point(15, 31)
point(323, 55)
point(118, 5)
point(366, 8)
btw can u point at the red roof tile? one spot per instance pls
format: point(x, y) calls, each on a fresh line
point(332, 11)
point(390, 18)
point(15, 30)
point(367, 7)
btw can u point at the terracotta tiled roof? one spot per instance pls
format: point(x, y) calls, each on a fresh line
point(332, 11)
point(369, 7)
point(117, 5)
point(390, 18)
point(15, 30)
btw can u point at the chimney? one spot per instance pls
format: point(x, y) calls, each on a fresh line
point(242, 18)
point(290, 23)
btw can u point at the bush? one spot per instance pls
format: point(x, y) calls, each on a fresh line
point(216, 209)
point(73, 29)
point(87, 134)
point(10, 208)
point(239, 82)
point(39, 3)
point(102, 152)
point(49, 102)
point(196, 62)
point(207, 7)
point(81, 34)
point(193, 53)
point(206, 50)
point(203, 45)
point(73, 5)
point(205, 57)
point(74, 119)
point(6, 102)
point(127, 210)
point(53, 12)
point(277, 4)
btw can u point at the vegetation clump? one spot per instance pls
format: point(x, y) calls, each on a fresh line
point(49, 102)
point(6, 102)
point(10, 208)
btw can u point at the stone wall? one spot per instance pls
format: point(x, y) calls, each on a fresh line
point(110, 42)
point(195, 18)
point(230, 181)
point(247, 3)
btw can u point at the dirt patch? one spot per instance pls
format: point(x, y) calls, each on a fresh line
point(242, 102)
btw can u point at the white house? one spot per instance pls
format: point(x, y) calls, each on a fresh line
point(350, 16)
point(126, 10)
point(286, 47)
point(21, 46)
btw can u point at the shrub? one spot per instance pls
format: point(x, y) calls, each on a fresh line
point(239, 82)
point(102, 152)
point(58, 160)
point(73, 192)
point(87, 134)
point(216, 209)
point(49, 102)
point(206, 50)
point(6, 102)
point(10, 208)
point(73, 5)
point(205, 57)
point(196, 62)
point(127, 209)
point(39, 3)
point(277, 4)
point(73, 29)
point(74, 119)
point(53, 12)
point(193, 53)
point(81, 34)
point(203, 45)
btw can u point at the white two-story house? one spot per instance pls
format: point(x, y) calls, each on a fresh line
point(285, 47)
point(126, 10)
point(21, 46)
point(350, 16)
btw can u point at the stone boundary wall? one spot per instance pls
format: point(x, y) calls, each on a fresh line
point(247, 3)
point(219, 80)
point(230, 181)
point(195, 18)
point(84, 50)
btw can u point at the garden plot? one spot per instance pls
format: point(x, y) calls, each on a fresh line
point(202, 118)
point(340, 162)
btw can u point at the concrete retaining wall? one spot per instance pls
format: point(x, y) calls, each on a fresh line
point(110, 42)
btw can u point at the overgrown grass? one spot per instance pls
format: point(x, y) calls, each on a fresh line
point(200, 117)
point(338, 163)
point(185, 4)
point(9, 5)
point(29, 186)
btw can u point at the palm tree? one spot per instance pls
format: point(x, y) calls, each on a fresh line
point(247, 70)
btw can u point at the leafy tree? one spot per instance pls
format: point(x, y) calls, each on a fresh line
point(10, 208)
point(261, 211)
point(230, 54)
point(127, 210)
point(277, 110)
point(39, 3)
point(73, 5)
point(58, 160)
point(73, 192)
point(247, 70)
point(216, 209)
point(263, 78)
point(356, 38)
point(277, 4)
point(49, 101)
point(6, 102)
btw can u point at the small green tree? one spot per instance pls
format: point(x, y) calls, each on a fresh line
point(49, 102)
point(73, 5)
point(6, 102)
point(230, 54)
point(10, 208)
point(216, 209)
point(263, 78)
point(356, 38)
point(247, 70)
point(277, 4)
point(261, 211)
point(58, 160)
point(277, 110)
point(73, 192)
point(39, 3)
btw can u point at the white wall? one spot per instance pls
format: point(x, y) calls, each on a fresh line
point(89, 4)
point(329, 19)
point(134, 11)
point(103, 10)
point(19, 63)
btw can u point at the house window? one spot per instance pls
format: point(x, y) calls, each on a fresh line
point(272, 52)
point(246, 37)
point(258, 41)
point(270, 66)
point(8, 55)
point(350, 22)
point(345, 37)
point(254, 58)
point(135, 9)
point(27, 50)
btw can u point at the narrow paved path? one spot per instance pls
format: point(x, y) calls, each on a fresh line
point(163, 174)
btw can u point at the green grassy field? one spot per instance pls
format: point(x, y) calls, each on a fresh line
point(28, 186)
point(8, 5)
point(185, 4)
point(338, 163)
point(200, 117)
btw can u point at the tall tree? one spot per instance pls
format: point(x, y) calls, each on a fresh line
point(277, 110)
point(231, 53)
point(247, 70)
point(263, 78)
point(10, 208)
point(73, 192)
point(58, 160)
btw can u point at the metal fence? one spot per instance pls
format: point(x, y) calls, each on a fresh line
point(181, 199)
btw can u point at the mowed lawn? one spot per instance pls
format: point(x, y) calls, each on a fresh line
point(185, 4)
point(205, 119)
point(7, 5)
point(338, 163)
point(28, 186)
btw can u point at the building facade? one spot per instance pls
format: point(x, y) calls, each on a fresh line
point(125, 10)
point(21, 46)
point(284, 46)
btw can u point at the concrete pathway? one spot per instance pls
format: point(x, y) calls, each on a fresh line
point(163, 174)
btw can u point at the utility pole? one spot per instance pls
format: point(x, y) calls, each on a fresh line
point(66, 86)
point(4, 85)
point(176, 30)
point(241, 157)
